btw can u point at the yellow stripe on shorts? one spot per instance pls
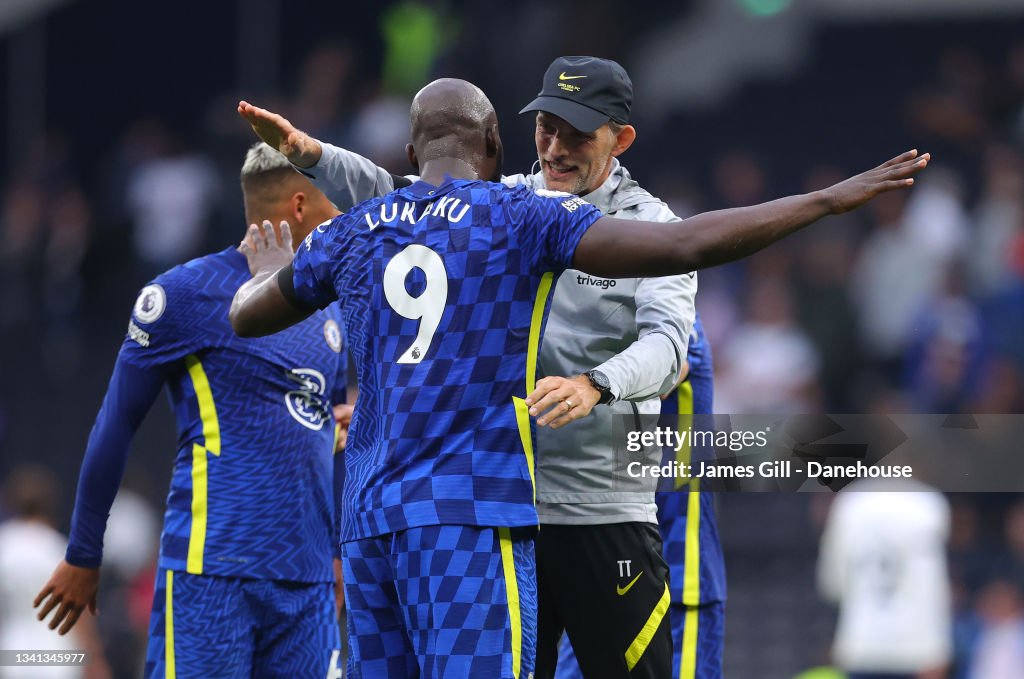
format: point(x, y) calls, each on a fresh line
point(643, 640)
point(169, 672)
point(512, 593)
point(688, 655)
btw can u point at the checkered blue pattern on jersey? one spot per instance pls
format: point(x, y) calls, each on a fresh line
point(434, 602)
point(437, 442)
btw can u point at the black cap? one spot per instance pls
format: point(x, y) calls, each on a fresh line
point(585, 91)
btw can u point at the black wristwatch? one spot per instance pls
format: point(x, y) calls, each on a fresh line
point(599, 381)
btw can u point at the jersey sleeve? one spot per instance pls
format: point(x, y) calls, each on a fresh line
point(130, 394)
point(550, 224)
point(698, 352)
point(334, 331)
point(313, 267)
point(348, 178)
point(338, 487)
point(162, 329)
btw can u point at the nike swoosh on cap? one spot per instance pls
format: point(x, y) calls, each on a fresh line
point(563, 76)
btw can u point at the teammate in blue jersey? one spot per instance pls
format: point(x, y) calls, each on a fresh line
point(444, 285)
point(245, 579)
point(689, 534)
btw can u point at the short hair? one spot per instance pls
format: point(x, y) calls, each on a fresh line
point(266, 171)
point(616, 127)
point(261, 157)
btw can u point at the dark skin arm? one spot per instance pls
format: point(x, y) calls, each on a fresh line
point(614, 248)
point(259, 307)
point(70, 590)
point(617, 248)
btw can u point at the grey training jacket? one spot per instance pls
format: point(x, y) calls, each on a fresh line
point(635, 330)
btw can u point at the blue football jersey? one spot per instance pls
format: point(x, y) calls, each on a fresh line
point(252, 486)
point(443, 291)
point(689, 530)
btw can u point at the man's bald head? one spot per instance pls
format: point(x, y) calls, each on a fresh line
point(453, 118)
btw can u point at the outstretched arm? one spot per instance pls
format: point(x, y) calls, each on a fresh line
point(346, 178)
point(627, 248)
point(299, 148)
point(75, 582)
point(262, 305)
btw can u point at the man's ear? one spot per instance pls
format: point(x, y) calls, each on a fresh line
point(411, 153)
point(625, 139)
point(492, 142)
point(298, 207)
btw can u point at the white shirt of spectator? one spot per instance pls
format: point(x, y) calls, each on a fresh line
point(883, 560)
point(28, 552)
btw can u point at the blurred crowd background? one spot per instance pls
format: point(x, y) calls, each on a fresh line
point(121, 152)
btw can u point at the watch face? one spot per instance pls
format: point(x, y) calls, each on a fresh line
point(599, 380)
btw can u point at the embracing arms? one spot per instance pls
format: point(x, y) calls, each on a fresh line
point(627, 248)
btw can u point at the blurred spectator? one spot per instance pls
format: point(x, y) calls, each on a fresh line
point(767, 364)
point(946, 357)
point(999, 653)
point(998, 219)
point(171, 199)
point(739, 179)
point(22, 237)
point(935, 221)
point(1013, 534)
point(883, 561)
point(28, 545)
point(971, 556)
point(132, 539)
point(323, 94)
point(381, 131)
point(1013, 88)
point(70, 227)
point(1002, 389)
point(954, 108)
point(826, 311)
point(889, 283)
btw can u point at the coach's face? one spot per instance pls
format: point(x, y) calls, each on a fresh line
point(574, 161)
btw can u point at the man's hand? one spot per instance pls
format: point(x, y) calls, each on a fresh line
point(260, 307)
point(339, 589)
point(560, 400)
point(342, 419)
point(266, 250)
point(889, 176)
point(72, 589)
point(298, 147)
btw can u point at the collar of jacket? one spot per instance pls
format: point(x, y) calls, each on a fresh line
point(618, 192)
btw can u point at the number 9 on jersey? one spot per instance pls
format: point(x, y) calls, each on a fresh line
point(428, 308)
